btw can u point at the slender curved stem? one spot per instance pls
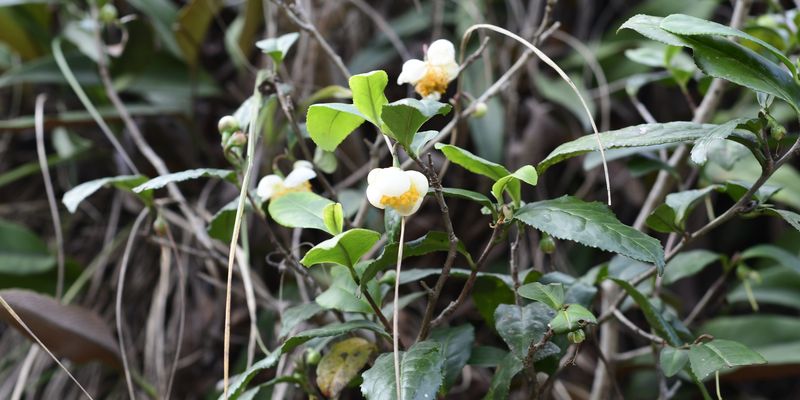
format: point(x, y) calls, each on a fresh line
point(396, 311)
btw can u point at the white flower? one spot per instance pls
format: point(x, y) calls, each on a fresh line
point(395, 188)
point(273, 186)
point(430, 77)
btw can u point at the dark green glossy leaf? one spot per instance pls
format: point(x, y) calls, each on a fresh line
point(718, 355)
point(673, 360)
point(521, 326)
point(456, 344)
point(420, 374)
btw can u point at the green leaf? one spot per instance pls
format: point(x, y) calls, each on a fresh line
point(487, 356)
point(344, 249)
point(329, 124)
point(654, 318)
point(420, 374)
point(405, 117)
point(637, 136)
point(503, 375)
point(792, 218)
point(432, 241)
point(341, 364)
point(164, 180)
point(79, 193)
point(471, 162)
point(720, 354)
point(277, 48)
point(551, 295)
point(456, 344)
point(649, 26)
point(525, 174)
point(222, 223)
point(292, 316)
point(672, 215)
point(22, 252)
point(699, 153)
point(333, 218)
point(777, 285)
point(571, 318)
point(192, 24)
point(591, 224)
point(468, 195)
point(368, 95)
point(344, 295)
point(687, 264)
point(521, 326)
point(775, 337)
point(300, 210)
point(420, 140)
point(488, 294)
point(776, 253)
point(673, 360)
point(681, 24)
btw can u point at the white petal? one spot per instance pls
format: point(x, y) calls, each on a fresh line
point(413, 71)
point(435, 96)
point(393, 182)
point(419, 181)
point(441, 52)
point(374, 175)
point(302, 164)
point(266, 186)
point(451, 70)
point(298, 176)
point(374, 196)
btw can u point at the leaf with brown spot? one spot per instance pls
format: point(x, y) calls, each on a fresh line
point(68, 331)
point(341, 364)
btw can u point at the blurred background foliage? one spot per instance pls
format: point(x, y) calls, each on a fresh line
point(180, 65)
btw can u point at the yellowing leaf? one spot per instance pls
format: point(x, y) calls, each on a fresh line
point(342, 363)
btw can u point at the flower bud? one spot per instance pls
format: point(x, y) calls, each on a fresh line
point(108, 13)
point(312, 357)
point(576, 336)
point(238, 139)
point(480, 110)
point(547, 244)
point(160, 226)
point(227, 124)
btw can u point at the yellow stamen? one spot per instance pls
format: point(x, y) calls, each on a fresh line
point(281, 190)
point(403, 203)
point(435, 80)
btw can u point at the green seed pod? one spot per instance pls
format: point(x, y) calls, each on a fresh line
point(227, 124)
point(547, 244)
point(576, 336)
point(312, 357)
point(480, 110)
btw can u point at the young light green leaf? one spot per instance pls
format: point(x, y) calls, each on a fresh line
point(699, 153)
point(521, 326)
point(681, 24)
point(420, 140)
point(720, 354)
point(79, 193)
point(525, 174)
point(649, 26)
point(278, 47)
point(420, 374)
point(405, 117)
point(329, 124)
point(672, 215)
point(686, 264)
point(456, 343)
point(368, 94)
point(637, 136)
point(468, 195)
point(551, 295)
point(591, 224)
point(571, 318)
point(333, 217)
point(344, 295)
point(673, 360)
point(471, 162)
point(300, 210)
point(654, 318)
point(22, 252)
point(344, 249)
point(164, 180)
point(341, 364)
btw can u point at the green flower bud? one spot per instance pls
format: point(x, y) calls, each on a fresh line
point(312, 357)
point(160, 226)
point(547, 244)
point(576, 336)
point(480, 110)
point(238, 139)
point(108, 13)
point(227, 124)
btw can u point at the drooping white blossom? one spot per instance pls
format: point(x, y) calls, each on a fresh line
point(273, 186)
point(397, 189)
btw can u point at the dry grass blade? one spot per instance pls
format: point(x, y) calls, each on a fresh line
point(563, 76)
point(9, 310)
